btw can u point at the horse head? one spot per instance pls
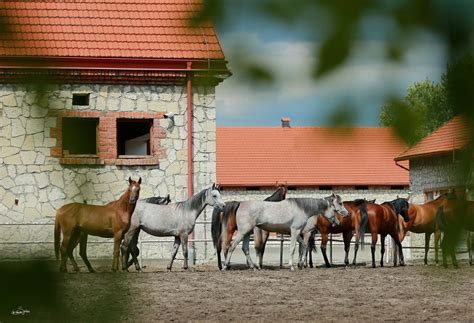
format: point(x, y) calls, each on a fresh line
point(213, 197)
point(134, 190)
point(335, 202)
point(401, 206)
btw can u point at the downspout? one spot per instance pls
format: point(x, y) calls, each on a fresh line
point(190, 148)
point(401, 166)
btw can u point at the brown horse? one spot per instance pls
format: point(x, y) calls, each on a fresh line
point(346, 226)
point(227, 218)
point(455, 217)
point(423, 220)
point(383, 219)
point(110, 220)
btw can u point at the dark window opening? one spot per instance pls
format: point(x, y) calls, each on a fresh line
point(252, 188)
point(361, 187)
point(79, 136)
point(325, 188)
point(291, 188)
point(80, 99)
point(397, 187)
point(133, 137)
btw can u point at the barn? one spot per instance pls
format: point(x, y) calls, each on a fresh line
point(84, 90)
point(435, 167)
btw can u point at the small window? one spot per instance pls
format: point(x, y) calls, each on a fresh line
point(291, 188)
point(325, 188)
point(361, 188)
point(252, 188)
point(80, 99)
point(397, 187)
point(133, 137)
point(79, 136)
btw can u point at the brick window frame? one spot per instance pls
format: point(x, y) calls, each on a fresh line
point(107, 139)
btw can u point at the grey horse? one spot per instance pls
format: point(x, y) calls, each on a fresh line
point(175, 219)
point(295, 216)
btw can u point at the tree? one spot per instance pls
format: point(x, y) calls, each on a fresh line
point(427, 105)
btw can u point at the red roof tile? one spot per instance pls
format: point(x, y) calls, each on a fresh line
point(453, 135)
point(106, 28)
point(308, 156)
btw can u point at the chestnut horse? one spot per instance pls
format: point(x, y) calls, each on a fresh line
point(227, 218)
point(110, 220)
point(454, 217)
point(423, 220)
point(382, 219)
point(346, 226)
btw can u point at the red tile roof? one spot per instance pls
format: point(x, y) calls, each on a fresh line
point(451, 136)
point(308, 156)
point(106, 28)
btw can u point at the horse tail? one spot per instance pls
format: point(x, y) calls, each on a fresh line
point(57, 236)
point(216, 228)
point(364, 218)
point(440, 218)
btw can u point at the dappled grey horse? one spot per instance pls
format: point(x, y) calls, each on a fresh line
point(175, 219)
point(295, 216)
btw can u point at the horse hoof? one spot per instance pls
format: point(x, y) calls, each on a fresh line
point(292, 268)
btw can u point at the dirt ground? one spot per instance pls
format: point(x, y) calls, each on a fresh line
point(413, 293)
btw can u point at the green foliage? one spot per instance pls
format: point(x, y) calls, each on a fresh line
point(424, 109)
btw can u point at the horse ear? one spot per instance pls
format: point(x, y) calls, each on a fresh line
point(130, 180)
point(140, 180)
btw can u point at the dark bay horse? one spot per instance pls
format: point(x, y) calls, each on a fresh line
point(453, 218)
point(134, 251)
point(423, 220)
point(225, 220)
point(110, 220)
point(347, 225)
point(382, 219)
point(173, 220)
point(296, 216)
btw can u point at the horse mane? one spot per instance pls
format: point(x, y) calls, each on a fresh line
point(194, 201)
point(308, 205)
point(276, 196)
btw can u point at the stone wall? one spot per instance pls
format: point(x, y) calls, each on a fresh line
point(34, 183)
point(431, 174)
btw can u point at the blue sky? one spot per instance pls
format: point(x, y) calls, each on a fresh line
point(364, 83)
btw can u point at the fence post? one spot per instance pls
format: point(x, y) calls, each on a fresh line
point(330, 248)
point(281, 250)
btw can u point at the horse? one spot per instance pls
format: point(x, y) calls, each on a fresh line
point(453, 217)
point(423, 220)
point(226, 219)
point(110, 220)
point(346, 226)
point(382, 219)
point(134, 251)
point(293, 216)
point(175, 219)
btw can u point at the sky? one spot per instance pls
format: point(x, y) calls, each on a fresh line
point(365, 82)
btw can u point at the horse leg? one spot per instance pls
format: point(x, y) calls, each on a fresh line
point(372, 246)
point(427, 247)
point(116, 256)
point(72, 245)
point(437, 238)
point(134, 251)
point(64, 250)
point(398, 245)
point(229, 233)
point(265, 235)
point(245, 249)
point(443, 251)
point(311, 244)
point(304, 244)
point(234, 244)
point(177, 242)
point(184, 245)
point(126, 246)
point(382, 248)
point(257, 239)
point(347, 237)
point(83, 252)
point(324, 243)
point(356, 248)
point(294, 236)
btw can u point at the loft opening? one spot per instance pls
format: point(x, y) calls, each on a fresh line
point(79, 136)
point(80, 99)
point(133, 137)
